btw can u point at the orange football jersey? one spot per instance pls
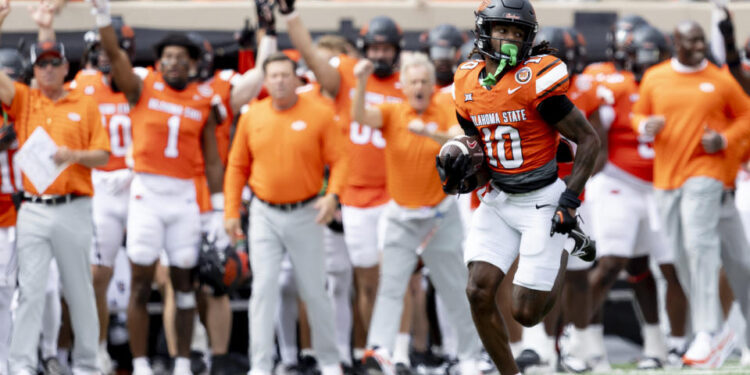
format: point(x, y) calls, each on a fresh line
point(582, 93)
point(167, 127)
point(222, 85)
point(626, 149)
point(366, 179)
point(600, 69)
point(516, 138)
point(114, 108)
point(10, 182)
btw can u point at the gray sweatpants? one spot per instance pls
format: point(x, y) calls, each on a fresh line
point(62, 232)
point(442, 255)
point(690, 216)
point(271, 234)
point(735, 256)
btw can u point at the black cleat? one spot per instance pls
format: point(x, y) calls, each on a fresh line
point(402, 369)
point(528, 358)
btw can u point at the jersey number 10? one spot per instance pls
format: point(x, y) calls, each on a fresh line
point(503, 145)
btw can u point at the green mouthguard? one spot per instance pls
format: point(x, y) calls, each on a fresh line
point(510, 50)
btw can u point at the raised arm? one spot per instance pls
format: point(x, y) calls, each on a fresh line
point(7, 88)
point(43, 14)
point(371, 117)
point(327, 75)
point(122, 71)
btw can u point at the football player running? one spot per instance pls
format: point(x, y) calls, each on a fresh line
point(514, 101)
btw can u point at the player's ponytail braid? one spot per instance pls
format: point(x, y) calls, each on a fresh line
point(542, 48)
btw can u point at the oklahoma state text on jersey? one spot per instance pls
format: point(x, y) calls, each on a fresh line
point(519, 145)
point(167, 127)
point(114, 108)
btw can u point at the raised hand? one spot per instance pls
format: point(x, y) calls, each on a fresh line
point(4, 10)
point(286, 6)
point(363, 69)
point(43, 13)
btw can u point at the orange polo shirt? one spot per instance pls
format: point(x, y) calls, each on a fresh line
point(690, 102)
point(73, 121)
point(284, 153)
point(412, 179)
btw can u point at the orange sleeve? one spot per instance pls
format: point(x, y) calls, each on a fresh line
point(20, 100)
point(334, 144)
point(552, 81)
point(238, 169)
point(386, 114)
point(99, 139)
point(459, 104)
point(739, 111)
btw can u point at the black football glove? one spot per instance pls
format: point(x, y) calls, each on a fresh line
point(266, 18)
point(246, 37)
point(7, 136)
point(562, 221)
point(452, 172)
point(286, 6)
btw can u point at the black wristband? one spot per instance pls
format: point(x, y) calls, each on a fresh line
point(569, 199)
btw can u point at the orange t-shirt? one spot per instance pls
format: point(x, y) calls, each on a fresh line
point(413, 180)
point(690, 102)
point(114, 108)
point(168, 126)
point(365, 185)
point(10, 182)
point(284, 153)
point(73, 121)
point(516, 138)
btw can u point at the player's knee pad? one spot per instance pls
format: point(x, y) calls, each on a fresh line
point(142, 255)
point(185, 258)
point(185, 300)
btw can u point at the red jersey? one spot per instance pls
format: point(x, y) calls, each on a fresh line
point(114, 108)
point(221, 83)
point(520, 146)
point(626, 150)
point(167, 127)
point(10, 182)
point(365, 186)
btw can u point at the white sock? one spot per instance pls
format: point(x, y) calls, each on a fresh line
point(307, 353)
point(334, 369)
point(577, 340)
point(653, 342)
point(595, 340)
point(401, 350)
point(142, 362)
point(181, 365)
point(358, 353)
point(516, 348)
point(678, 343)
point(534, 337)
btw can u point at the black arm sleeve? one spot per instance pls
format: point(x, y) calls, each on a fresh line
point(554, 108)
point(467, 125)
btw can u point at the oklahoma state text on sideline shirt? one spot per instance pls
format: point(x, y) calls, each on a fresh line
point(73, 121)
point(690, 102)
point(284, 153)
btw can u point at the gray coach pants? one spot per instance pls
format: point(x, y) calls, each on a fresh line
point(273, 232)
point(735, 255)
point(64, 232)
point(691, 222)
point(442, 255)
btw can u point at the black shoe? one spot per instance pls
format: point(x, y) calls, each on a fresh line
point(402, 369)
point(375, 364)
point(347, 369)
point(308, 365)
point(528, 358)
point(53, 367)
point(197, 364)
point(585, 247)
point(220, 365)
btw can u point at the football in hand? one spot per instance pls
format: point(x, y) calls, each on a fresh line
point(465, 145)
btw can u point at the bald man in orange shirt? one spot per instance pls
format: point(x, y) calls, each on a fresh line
point(280, 149)
point(698, 116)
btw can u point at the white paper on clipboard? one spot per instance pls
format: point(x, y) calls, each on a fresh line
point(35, 160)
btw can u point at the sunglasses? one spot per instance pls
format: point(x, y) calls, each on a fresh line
point(55, 62)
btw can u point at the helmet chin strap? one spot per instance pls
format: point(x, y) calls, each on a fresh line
point(509, 50)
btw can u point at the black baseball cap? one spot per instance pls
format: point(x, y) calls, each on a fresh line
point(47, 48)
